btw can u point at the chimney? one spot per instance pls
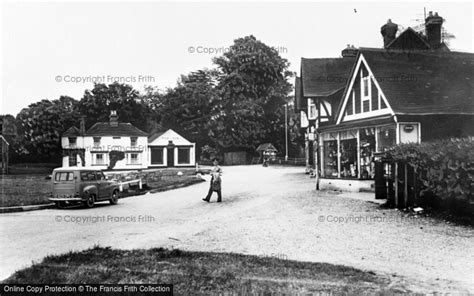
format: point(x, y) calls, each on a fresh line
point(113, 118)
point(433, 29)
point(349, 51)
point(389, 30)
point(82, 126)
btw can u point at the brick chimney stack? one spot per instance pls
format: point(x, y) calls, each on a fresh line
point(388, 31)
point(113, 118)
point(349, 51)
point(433, 25)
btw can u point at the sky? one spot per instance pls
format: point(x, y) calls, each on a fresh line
point(50, 49)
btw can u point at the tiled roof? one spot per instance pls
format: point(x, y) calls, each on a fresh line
point(324, 77)
point(122, 129)
point(267, 147)
point(424, 82)
point(155, 136)
point(72, 132)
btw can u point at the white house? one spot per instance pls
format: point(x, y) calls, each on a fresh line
point(94, 146)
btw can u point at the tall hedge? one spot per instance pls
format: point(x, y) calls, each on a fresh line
point(445, 170)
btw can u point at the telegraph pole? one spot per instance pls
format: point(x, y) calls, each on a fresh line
point(286, 132)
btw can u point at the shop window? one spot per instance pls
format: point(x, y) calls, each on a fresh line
point(156, 155)
point(367, 149)
point(330, 158)
point(348, 151)
point(183, 155)
point(386, 138)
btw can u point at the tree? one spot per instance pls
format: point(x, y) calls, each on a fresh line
point(253, 89)
point(188, 108)
point(40, 126)
point(97, 103)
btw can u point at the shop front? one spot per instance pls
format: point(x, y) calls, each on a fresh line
point(349, 155)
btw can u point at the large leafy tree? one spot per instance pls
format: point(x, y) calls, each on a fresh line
point(97, 103)
point(253, 90)
point(40, 126)
point(188, 108)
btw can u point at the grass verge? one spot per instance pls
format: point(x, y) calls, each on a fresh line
point(25, 190)
point(203, 273)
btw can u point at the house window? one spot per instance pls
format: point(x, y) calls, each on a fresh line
point(184, 155)
point(72, 159)
point(365, 94)
point(116, 138)
point(99, 158)
point(72, 141)
point(312, 111)
point(133, 158)
point(156, 155)
point(96, 141)
point(133, 141)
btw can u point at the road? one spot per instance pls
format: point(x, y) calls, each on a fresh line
point(272, 211)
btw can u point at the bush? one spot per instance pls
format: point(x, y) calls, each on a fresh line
point(445, 171)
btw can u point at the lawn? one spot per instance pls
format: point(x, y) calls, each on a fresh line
point(23, 190)
point(203, 273)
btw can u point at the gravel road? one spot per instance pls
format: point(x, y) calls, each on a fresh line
point(272, 211)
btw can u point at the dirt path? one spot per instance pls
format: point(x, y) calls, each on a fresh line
point(267, 212)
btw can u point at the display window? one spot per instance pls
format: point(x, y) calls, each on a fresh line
point(330, 158)
point(386, 137)
point(367, 149)
point(348, 149)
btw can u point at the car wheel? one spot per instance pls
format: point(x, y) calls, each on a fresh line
point(114, 198)
point(60, 204)
point(89, 203)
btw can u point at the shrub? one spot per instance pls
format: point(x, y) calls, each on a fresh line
point(445, 171)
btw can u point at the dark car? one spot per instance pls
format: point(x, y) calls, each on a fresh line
point(76, 185)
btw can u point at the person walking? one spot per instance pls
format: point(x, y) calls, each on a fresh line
point(216, 173)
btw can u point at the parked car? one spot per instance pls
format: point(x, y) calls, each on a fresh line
point(75, 185)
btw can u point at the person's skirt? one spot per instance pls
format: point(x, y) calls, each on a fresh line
point(215, 185)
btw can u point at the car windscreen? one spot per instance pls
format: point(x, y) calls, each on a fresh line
point(64, 176)
point(88, 176)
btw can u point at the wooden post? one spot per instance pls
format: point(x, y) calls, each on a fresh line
point(405, 186)
point(395, 181)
